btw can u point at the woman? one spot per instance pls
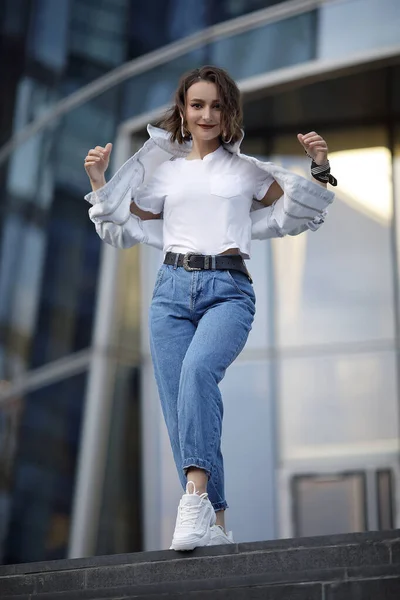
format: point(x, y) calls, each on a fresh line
point(203, 306)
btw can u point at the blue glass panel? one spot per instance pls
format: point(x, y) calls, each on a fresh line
point(49, 33)
point(156, 87)
point(44, 472)
point(378, 28)
point(251, 53)
point(68, 286)
point(267, 48)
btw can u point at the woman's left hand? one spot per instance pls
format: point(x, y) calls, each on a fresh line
point(315, 146)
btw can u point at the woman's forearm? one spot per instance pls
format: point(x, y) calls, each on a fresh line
point(96, 185)
point(144, 215)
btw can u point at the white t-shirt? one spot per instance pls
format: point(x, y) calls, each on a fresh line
point(206, 203)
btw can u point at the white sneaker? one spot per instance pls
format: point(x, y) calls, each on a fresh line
point(219, 537)
point(195, 518)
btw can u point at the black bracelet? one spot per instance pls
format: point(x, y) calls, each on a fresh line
point(322, 173)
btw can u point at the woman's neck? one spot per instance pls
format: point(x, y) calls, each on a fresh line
point(201, 148)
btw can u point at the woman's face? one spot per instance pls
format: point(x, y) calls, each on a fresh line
point(203, 111)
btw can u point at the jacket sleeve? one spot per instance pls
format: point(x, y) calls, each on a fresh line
point(111, 204)
point(302, 207)
point(117, 226)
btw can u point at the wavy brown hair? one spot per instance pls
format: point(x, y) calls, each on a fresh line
point(229, 95)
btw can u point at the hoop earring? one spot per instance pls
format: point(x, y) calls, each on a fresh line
point(227, 141)
point(183, 130)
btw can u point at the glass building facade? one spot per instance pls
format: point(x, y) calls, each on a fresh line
point(314, 396)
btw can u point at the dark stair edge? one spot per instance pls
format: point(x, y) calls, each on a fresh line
point(287, 589)
point(390, 537)
point(307, 591)
point(275, 563)
point(312, 576)
point(283, 591)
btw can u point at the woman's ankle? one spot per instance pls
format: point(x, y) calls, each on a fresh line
point(199, 477)
point(220, 519)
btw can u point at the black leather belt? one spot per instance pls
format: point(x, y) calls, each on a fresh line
point(198, 262)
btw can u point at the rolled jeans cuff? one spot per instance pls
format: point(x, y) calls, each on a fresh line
point(197, 463)
point(220, 505)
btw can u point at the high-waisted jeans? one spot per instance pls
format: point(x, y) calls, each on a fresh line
point(199, 323)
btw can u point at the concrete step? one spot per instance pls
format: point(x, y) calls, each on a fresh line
point(353, 566)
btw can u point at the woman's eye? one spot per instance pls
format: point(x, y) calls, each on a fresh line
point(196, 105)
point(217, 106)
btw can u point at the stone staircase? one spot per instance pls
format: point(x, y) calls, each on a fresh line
point(340, 567)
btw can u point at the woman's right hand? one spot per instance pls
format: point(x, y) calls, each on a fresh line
point(96, 163)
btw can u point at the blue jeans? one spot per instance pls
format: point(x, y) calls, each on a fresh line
point(199, 324)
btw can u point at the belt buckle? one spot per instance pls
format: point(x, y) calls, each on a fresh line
point(186, 259)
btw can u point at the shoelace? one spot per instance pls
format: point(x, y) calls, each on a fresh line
point(188, 513)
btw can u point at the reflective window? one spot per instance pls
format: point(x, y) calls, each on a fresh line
point(10, 415)
point(14, 17)
point(378, 28)
point(43, 426)
point(229, 9)
point(185, 18)
point(49, 250)
point(20, 276)
point(329, 504)
point(155, 87)
point(385, 485)
point(48, 33)
point(21, 262)
point(48, 277)
point(98, 31)
point(395, 98)
point(155, 24)
point(250, 53)
point(336, 285)
point(396, 195)
point(68, 284)
point(83, 128)
point(120, 525)
point(262, 335)
point(249, 447)
point(148, 28)
point(338, 404)
point(264, 49)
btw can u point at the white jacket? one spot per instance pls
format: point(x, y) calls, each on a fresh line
point(303, 204)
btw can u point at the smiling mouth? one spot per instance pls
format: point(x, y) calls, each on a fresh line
point(207, 126)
